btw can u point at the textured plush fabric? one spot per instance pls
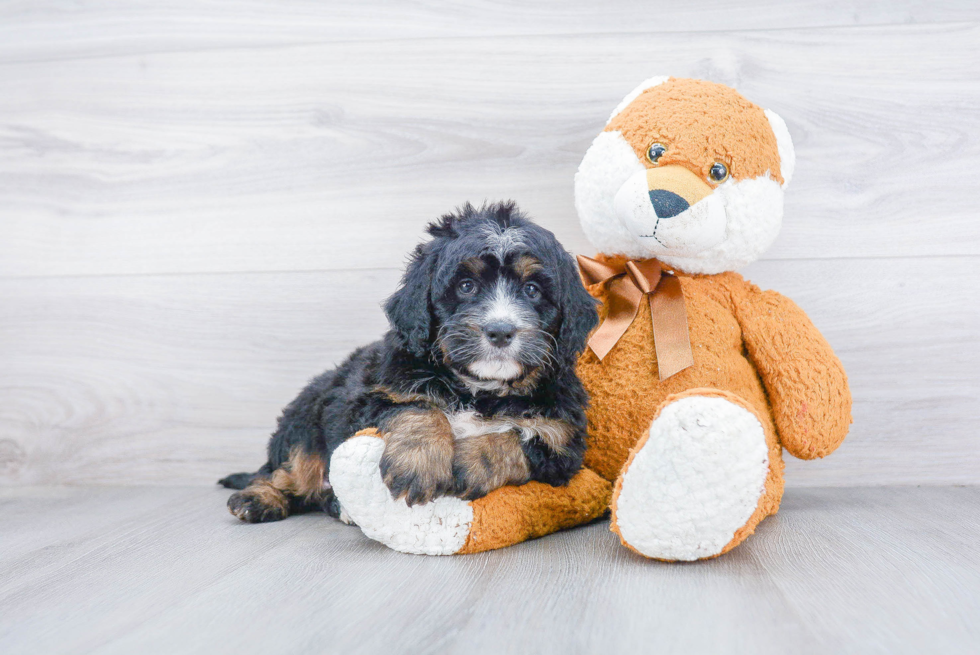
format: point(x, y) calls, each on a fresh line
point(726, 230)
point(695, 479)
point(807, 385)
point(702, 122)
point(513, 514)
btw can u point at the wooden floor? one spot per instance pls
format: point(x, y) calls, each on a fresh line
point(167, 570)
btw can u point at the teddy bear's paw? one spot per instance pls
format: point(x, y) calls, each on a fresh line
point(694, 481)
point(439, 527)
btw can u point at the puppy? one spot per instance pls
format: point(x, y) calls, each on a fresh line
point(473, 388)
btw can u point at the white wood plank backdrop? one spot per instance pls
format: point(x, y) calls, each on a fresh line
point(203, 204)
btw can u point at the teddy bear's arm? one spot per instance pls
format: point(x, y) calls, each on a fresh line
point(806, 383)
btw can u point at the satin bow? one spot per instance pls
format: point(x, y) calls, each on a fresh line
point(627, 286)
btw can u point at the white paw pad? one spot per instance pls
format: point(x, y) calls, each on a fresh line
point(695, 482)
point(436, 528)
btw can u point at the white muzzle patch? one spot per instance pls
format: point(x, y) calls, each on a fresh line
point(694, 230)
point(495, 369)
point(501, 363)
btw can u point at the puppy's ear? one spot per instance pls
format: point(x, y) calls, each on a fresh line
point(578, 310)
point(408, 308)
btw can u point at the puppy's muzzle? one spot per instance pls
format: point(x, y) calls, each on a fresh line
point(500, 334)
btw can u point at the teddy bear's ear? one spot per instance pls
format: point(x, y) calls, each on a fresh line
point(787, 154)
point(647, 84)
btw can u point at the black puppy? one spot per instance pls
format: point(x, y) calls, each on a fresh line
point(473, 388)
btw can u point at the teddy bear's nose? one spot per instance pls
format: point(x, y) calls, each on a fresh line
point(667, 203)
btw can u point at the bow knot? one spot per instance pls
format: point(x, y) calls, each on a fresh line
point(628, 284)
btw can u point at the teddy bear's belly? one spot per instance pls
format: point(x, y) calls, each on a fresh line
point(626, 392)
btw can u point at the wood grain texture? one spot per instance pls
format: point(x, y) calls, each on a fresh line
point(46, 29)
point(870, 570)
point(203, 203)
point(178, 379)
point(278, 158)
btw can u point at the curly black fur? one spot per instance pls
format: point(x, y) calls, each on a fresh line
point(418, 365)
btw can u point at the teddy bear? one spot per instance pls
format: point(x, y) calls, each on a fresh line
point(698, 379)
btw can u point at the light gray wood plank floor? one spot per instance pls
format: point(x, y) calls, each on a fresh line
point(167, 570)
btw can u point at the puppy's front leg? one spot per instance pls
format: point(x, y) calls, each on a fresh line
point(418, 458)
point(487, 462)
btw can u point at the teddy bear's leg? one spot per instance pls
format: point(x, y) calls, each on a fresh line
point(696, 485)
point(448, 525)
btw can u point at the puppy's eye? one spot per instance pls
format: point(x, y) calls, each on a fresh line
point(466, 287)
point(655, 152)
point(718, 172)
point(532, 291)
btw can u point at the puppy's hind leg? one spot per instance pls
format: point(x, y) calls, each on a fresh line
point(298, 485)
point(242, 480)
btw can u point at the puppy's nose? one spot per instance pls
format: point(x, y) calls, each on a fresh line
point(500, 334)
point(667, 203)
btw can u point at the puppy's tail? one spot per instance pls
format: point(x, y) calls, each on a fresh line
point(242, 480)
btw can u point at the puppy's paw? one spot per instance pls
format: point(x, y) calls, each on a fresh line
point(487, 462)
point(419, 469)
point(471, 484)
point(259, 504)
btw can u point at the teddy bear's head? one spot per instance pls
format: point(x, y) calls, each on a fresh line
point(689, 172)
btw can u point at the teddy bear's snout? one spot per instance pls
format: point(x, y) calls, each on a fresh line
point(673, 189)
point(670, 210)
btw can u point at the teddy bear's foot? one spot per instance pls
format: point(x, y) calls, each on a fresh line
point(439, 527)
point(693, 484)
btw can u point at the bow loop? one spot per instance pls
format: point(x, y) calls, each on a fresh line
point(594, 271)
point(626, 289)
point(645, 274)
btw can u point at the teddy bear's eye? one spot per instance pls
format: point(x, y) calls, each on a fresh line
point(718, 172)
point(655, 152)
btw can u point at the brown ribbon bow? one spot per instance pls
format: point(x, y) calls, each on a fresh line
point(627, 286)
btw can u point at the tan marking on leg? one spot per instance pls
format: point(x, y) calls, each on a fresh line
point(267, 494)
point(302, 476)
point(418, 455)
point(268, 499)
point(487, 462)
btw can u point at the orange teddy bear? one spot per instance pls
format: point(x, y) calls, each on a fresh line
point(698, 378)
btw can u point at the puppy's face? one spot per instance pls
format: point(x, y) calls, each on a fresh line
point(498, 316)
point(493, 297)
